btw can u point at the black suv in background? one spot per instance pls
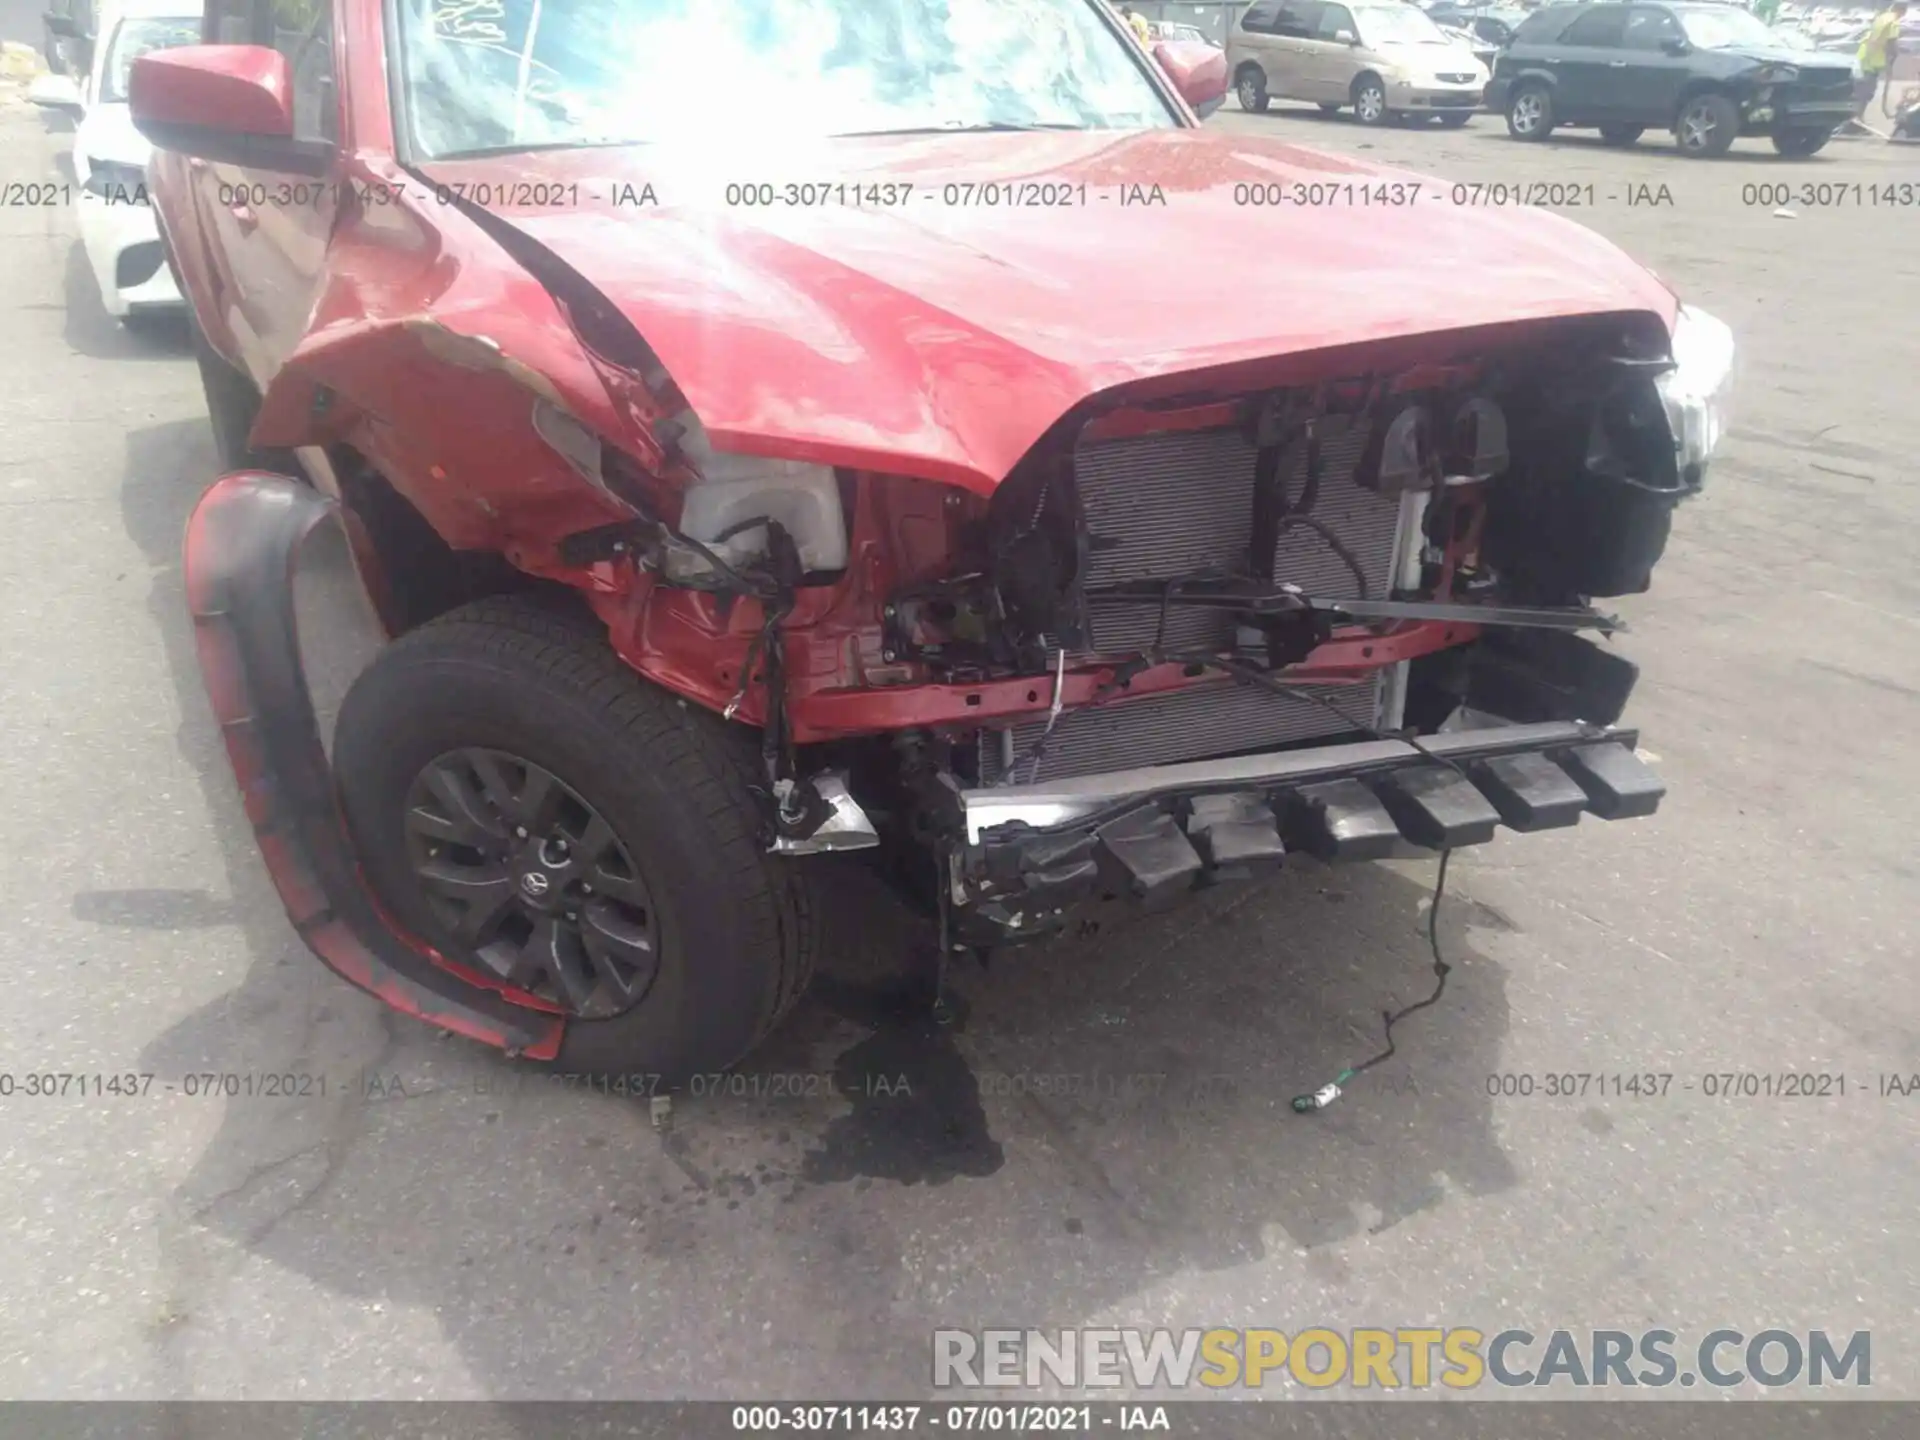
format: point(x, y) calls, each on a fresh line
point(1707, 72)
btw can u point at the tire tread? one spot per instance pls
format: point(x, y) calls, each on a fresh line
point(714, 765)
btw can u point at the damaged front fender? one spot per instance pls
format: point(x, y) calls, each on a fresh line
point(434, 362)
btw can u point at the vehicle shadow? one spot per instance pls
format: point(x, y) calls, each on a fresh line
point(1312, 114)
point(93, 332)
point(1654, 144)
point(1106, 1115)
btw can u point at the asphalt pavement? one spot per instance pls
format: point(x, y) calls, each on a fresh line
point(20, 20)
point(1105, 1138)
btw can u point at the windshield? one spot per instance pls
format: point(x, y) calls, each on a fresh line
point(135, 38)
point(487, 75)
point(1398, 25)
point(1720, 29)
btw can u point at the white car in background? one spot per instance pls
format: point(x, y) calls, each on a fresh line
point(116, 222)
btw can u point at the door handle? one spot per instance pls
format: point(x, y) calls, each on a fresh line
point(1616, 64)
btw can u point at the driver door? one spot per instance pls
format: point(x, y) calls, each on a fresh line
point(1592, 66)
point(272, 228)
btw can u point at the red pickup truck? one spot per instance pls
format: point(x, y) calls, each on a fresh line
point(811, 472)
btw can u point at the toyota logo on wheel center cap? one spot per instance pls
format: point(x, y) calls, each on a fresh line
point(535, 883)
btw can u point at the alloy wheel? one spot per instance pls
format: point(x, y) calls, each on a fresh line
point(1697, 128)
point(1370, 103)
point(532, 882)
point(1526, 113)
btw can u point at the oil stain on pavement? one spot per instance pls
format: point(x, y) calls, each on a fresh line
point(916, 1115)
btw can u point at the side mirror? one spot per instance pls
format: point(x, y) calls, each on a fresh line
point(1346, 37)
point(229, 103)
point(61, 25)
point(1198, 72)
point(56, 92)
point(1675, 46)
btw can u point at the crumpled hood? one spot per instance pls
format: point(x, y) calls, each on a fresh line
point(941, 335)
point(1787, 55)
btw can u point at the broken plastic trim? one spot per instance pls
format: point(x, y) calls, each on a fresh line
point(242, 545)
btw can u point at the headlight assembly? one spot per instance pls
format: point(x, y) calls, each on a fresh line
point(736, 494)
point(1695, 391)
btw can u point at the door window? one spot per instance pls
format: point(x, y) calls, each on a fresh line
point(1649, 29)
point(231, 22)
point(1333, 20)
point(1259, 19)
point(1297, 19)
point(1602, 27)
point(303, 32)
point(1540, 28)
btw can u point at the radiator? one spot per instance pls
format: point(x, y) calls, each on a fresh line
point(1161, 506)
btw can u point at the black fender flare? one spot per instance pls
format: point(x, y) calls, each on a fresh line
point(242, 547)
point(1537, 76)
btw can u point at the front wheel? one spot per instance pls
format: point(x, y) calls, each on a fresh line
point(1706, 127)
point(1798, 144)
point(1530, 113)
point(556, 826)
point(1621, 135)
point(1370, 101)
point(1251, 88)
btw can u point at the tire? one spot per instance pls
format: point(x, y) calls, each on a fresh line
point(729, 928)
point(1370, 101)
point(1706, 126)
point(1621, 135)
point(153, 324)
point(1530, 113)
point(1250, 85)
point(1798, 144)
point(1330, 107)
point(232, 404)
point(1455, 120)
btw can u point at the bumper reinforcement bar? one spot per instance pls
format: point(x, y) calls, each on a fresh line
point(1034, 851)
